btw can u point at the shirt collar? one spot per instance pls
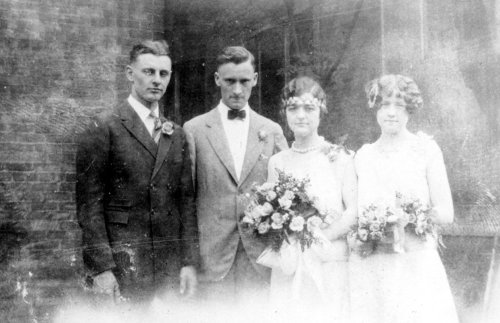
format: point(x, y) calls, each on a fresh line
point(223, 109)
point(141, 110)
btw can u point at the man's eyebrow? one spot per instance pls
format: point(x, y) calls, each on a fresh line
point(235, 78)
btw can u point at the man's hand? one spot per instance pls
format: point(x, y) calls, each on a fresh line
point(105, 283)
point(189, 281)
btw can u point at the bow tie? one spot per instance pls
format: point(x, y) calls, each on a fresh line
point(236, 114)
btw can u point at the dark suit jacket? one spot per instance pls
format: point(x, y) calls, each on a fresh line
point(135, 202)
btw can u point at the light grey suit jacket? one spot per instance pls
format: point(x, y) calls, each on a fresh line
point(219, 193)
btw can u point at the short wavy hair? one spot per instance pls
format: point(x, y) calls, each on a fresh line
point(236, 55)
point(302, 85)
point(155, 47)
point(394, 85)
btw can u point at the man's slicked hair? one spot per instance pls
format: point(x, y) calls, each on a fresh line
point(236, 55)
point(155, 47)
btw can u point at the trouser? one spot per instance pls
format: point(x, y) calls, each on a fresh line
point(243, 284)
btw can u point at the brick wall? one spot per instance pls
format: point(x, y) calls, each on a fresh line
point(60, 62)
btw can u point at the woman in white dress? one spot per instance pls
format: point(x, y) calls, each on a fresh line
point(409, 284)
point(319, 277)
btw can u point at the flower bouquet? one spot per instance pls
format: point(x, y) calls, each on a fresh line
point(282, 210)
point(375, 226)
point(372, 223)
point(419, 216)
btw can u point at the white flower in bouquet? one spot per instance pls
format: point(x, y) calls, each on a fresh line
point(422, 216)
point(257, 212)
point(264, 227)
point(285, 202)
point(392, 218)
point(277, 220)
point(375, 226)
point(271, 195)
point(376, 235)
point(313, 223)
point(329, 218)
point(363, 234)
point(266, 209)
point(248, 218)
point(363, 221)
point(297, 224)
point(266, 187)
point(289, 194)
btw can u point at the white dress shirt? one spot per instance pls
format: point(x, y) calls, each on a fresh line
point(144, 113)
point(236, 134)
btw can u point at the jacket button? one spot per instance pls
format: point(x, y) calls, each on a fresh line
point(152, 186)
point(152, 212)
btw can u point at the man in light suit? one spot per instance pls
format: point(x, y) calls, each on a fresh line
point(135, 197)
point(230, 147)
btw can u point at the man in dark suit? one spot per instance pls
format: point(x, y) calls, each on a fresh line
point(230, 148)
point(135, 200)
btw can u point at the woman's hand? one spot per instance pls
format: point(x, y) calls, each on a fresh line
point(336, 225)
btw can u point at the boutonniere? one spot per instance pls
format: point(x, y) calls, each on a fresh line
point(263, 157)
point(167, 128)
point(262, 135)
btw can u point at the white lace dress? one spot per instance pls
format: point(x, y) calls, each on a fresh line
point(399, 287)
point(317, 281)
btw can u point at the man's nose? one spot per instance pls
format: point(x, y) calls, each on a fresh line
point(157, 78)
point(237, 88)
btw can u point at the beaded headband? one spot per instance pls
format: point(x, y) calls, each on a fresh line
point(298, 101)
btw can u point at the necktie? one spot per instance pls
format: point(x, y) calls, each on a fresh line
point(236, 114)
point(156, 128)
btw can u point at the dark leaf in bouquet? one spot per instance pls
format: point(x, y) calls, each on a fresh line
point(306, 211)
point(302, 197)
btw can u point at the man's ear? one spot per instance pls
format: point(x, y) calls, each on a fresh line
point(129, 71)
point(217, 78)
point(255, 79)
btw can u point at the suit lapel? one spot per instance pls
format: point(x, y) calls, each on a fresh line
point(136, 127)
point(254, 147)
point(217, 138)
point(163, 147)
